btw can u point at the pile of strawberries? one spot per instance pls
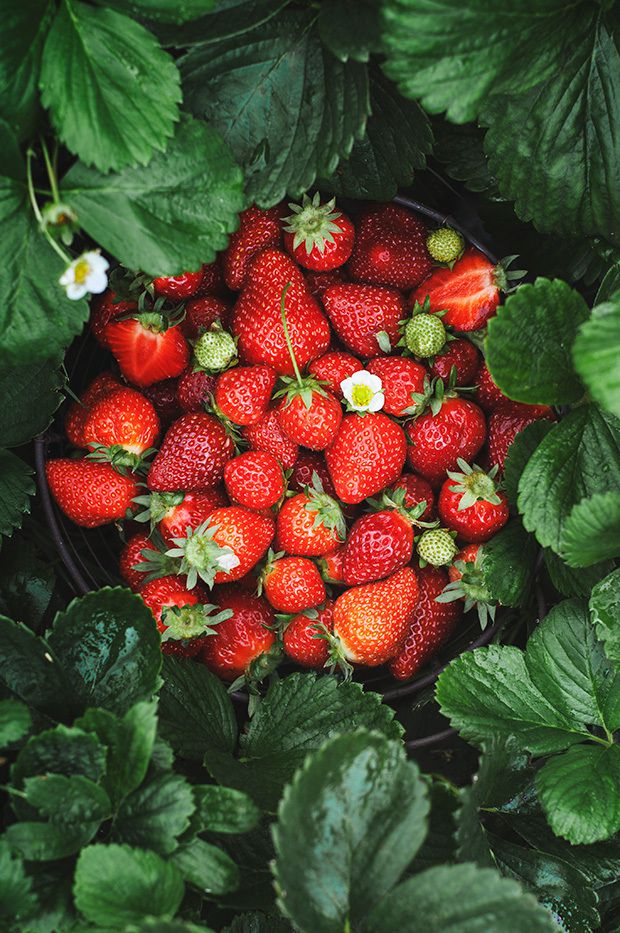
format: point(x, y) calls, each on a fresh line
point(291, 438)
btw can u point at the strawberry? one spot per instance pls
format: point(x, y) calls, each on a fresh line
point(90, 493)
point(463, 356)
point(106, 308)
point(172, 513)
point(467, 555)
point(78, 412)
point(371, 621)
point(431, 625)
point(258, 230)
point(318, 282)
point(212, 279)
point(163, 397)
point(317, 235)
point(367, 455)
point(470, 503)
point(417, 490)
point(254, 479)
point(292, 584)
point(332, 566)
point(243, 394)
point(184, 617)
point(505, 422)
point(224, 547)
point(333, 368)
point(310, 524)
point(215, 350)
point(424, 334)
point(365, 317)
point(266, 434)
point(436, 547)
point(390, 248)
point(121, 427)
point(243, 642)
point(146, 349)
point(132, 555)
point(307, 464)
point(400, 377)
point(178, 287)
point(469, 292)
point(488, 395)
point(257, 321)
point(467, 586)
point(192, 456)
point(194, 390)
point(303, 643)
point(445, 245)
point(201, 313)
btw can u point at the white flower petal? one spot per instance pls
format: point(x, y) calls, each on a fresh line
point(377, 402)
point(227, 560)
point(346, 387)
point(76, 291)
point(97, 281)
point(373, 382)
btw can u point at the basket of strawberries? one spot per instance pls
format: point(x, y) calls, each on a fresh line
point(295, 453)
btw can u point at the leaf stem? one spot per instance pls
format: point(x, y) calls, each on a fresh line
point(37, 212)
point(287, 336)
point(51, 174)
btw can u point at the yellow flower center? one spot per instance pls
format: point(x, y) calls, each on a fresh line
point(81, 271)
point(362, 395)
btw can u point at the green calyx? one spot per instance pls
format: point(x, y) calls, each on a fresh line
point(121, 459)
point(436, 547)
point(433, 395)
point(186, 622)
point(445, 245)
point(395, 500)
point(304, 387)
point(157, 506)
point(215, 350)
point(506, 279)
point(327, 510)
point(201, 557)
point(336, 659)
point(474, 485)
point(424, 333)
point(472, 589)
point(313, 223)
point(155, 562)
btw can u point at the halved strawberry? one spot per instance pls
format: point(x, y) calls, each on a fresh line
point(147, 349)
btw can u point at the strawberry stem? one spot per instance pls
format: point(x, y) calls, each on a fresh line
point(287, 336)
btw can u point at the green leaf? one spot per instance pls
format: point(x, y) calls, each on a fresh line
point(16, 487)
point(508, 564)
point(62, 750)
point(24, 29)
point(45, 842)
point(170, 216)
point(63, 799)
point(397, 141)
point(579, 793)
point(348, 826)
point(460, 149)
point(257, 922)
point(31, 394)
point(519, 452)
point(579, 457)
point(112, 92)
point(544, 317)
point(350, 28)
point(116, 885)
point(571, 582)
point(108, 645)
point(26, 582)
point(223, 810)
point(439, 846)
point(15, 722)
point(165, 11)
point(591, 532)
point(461, 899)
point(156, 813)
point(206, 867)
point(231, 18)
point(30, 671)
point(195, 710)
point(596, 354)
point(288, 109)
point(610, 284)
point(605, 613)
point(16, 897)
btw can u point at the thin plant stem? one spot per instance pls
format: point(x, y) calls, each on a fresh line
point(51, 174)
point(287, 336)
point(37, 212)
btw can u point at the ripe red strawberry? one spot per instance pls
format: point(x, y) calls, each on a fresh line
point(146, 350)
point(254, 479)
point(132, 555)
point(362, 314)
point(90, 493)
point(371, 621)
point(390, 248)
point(212, 279)
point(194, 390)
point(163, 397)
point(431, 625)
point(123, 422)
point(184, 617)
point(244, 640)
point(505, 422)
point(166, 592)
point(266, 434)
point(332, 566)
point(467, 555)
point(178, 287)
point(440, 436)
point(318, 282)
point(312, 425)
point(242, 394)
point(469, 293)
point(367, 455)
point(400, 377)
point(463, 356)
point(310, 524)
point(257, 321)
point(470, 503)
point(174, 512)
point(78, 412)
point(307, 464)
point(201, 313)
point(317, 235)
point(258, 230)
point(488, 395)
point(225, 547)
point(292, 584)
point(417, 490)
point(106, 308)
point(192, 456)
point(333, 368)
point(301, 640)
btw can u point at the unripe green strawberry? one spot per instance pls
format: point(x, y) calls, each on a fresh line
point(215, 350)
point(425, 335)
point(445, 244)
point(436, 546)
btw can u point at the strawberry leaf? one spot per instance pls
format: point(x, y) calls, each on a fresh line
point(155, 814)
point(25, 27)
point(354, 816)
point(519, 452)
point(112, 92)
point(206, 867)
point(230, 18)
point(545, 318)
point(605, 613)
point(17, 899)
point(350, 28)
point(15, 721)
point(508, 561)
point(31, 394)
point(16, 487)
point(165, 11)
point(596, 354)
point(288, 109)
point(592, 530)
point(570, 581)
point(171, 215)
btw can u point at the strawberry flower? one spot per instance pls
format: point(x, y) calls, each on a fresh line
point(87, 273)
point(363, 391)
